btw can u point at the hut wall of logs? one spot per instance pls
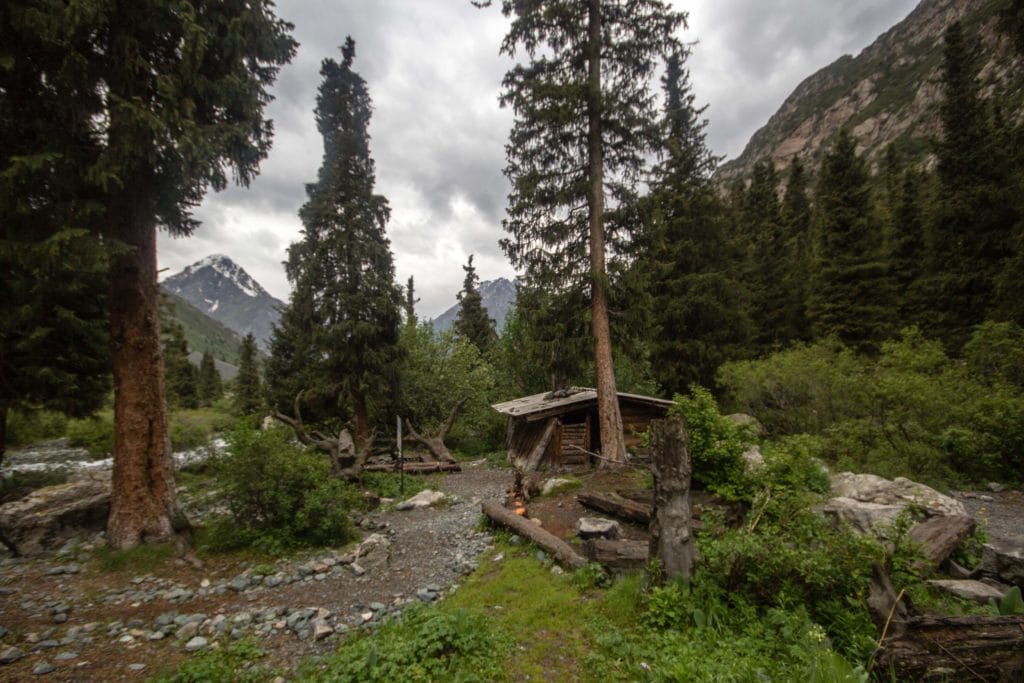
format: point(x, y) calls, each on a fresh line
point(560, 428)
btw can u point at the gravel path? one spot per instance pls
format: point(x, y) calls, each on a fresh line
point(63, 620)
point(1001, 513)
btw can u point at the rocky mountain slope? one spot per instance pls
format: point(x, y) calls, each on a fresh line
point(221, 289)
point(889, 93)
point(499, 296)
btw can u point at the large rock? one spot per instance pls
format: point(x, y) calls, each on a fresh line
point(866, 500)
point(969, 590)
point(870, 488)
point(374, 552)
point(597, 527)
point(48, 517)
point(1003, 560)
point(423, 499)
point(939, 537)
point(748, 421)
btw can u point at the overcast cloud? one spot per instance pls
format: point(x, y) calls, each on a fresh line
point(438, 134)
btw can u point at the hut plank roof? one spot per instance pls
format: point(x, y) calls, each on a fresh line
point(540, 406)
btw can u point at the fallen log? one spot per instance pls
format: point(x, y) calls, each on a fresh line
point(981, 648)
point(617, 555)
point(415, 467)
point(554, 546)
point(939, 537)
point(616, 505)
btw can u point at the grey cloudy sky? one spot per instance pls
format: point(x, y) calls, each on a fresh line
point(438, 134)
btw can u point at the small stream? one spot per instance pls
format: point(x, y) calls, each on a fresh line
point(59, 454)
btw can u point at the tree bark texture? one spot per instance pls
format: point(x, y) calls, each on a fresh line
point(617, 506)
point(361, 417)
point(613, 443)
point(559, 549)
point(671, 541)
point(144, 504)
point(434, 443)
point(3, 431)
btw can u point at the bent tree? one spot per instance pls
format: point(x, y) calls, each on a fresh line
point(585, 124)
point(168, 97)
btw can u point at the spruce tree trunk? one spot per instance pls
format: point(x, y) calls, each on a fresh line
point(143, 505)
point(362, 418)
point(613, 446)
point(3, 431)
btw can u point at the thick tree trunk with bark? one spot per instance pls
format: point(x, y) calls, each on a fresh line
point(613, 444)
point(617, 506)
point(361, 416)
point(143, 505)
point(671, 541)
point(3, 431)
point(556, 547)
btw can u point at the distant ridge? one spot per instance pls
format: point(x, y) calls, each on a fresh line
point(221, 289)
point(499, 296)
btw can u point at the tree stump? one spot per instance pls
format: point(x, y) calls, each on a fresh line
point(671, 542)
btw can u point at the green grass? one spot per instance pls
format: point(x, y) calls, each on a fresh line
point(190, 428)
point(236, 663)
point(139, 560)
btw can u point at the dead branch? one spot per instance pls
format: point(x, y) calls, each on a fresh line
point(434, 443)
point(347, 461)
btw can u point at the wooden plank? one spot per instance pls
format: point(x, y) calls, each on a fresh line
point(537, 454)
point(554, 546)
point(616, 505)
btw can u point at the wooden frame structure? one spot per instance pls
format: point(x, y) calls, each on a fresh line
point(560, 428)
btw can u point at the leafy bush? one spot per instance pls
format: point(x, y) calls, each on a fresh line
point(389, 484)
point(426, 644)
point(716, 445)
point(226, 665)
point(95, 434)
point(280, 495)
point(26, 427)
point(995, 353)
point(913, 411)
point(194, 428)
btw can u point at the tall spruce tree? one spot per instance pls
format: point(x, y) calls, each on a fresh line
point(975, 210)
point(347, 307)
point(210, 387)
point(248, 393)
point(472, 322)
point(181, 377)
point(796, 216)
point(907, 249)
point(409, 303)
point(584, 121)
point(848, 297)
point(774, 305)
point(696, 301)
point(147, 105)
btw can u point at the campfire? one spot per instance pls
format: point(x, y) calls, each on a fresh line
point(516, 496)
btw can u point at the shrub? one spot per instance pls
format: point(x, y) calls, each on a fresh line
point(426, 644)
point(32, 426)
point(95, 434)
point(995, 353)
point(913, 411)
point(716, 445)
point(280, 495)
point(231, 664)
point(194, 428)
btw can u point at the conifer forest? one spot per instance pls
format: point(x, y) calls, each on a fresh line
point(747, 420)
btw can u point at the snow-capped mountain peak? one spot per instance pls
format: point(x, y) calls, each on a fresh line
point(222, 289)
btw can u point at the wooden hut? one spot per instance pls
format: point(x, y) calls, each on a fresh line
point(560, 428)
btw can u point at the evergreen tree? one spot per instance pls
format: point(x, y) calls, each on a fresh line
point(210, 387)
point(144, 106)
point(248, 395)
point(848, 298)
point(472, 322)
point(796, 215)
point(345, 325)
point(181, 377)
point(584, 123)
point(908, 251)
point(775, 307)
point(975, 210)
point(696, 301)
point(410, 303)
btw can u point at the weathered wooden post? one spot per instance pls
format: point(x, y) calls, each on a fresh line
point(671, 542)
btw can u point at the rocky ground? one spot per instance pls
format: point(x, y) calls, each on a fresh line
point(62, 618)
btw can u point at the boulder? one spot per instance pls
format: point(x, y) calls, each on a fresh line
point(752, 459)
point(423, 499)
point(374, 552)
point(597, 527)
point(970, 590)
point(940, 536)
point(48, 517)
point(1004, 560)
point(862, 516)
point(870, 488)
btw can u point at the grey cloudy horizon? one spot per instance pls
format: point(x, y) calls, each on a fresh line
point(438, 134)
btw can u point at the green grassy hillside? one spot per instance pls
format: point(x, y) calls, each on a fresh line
point(204, 333)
